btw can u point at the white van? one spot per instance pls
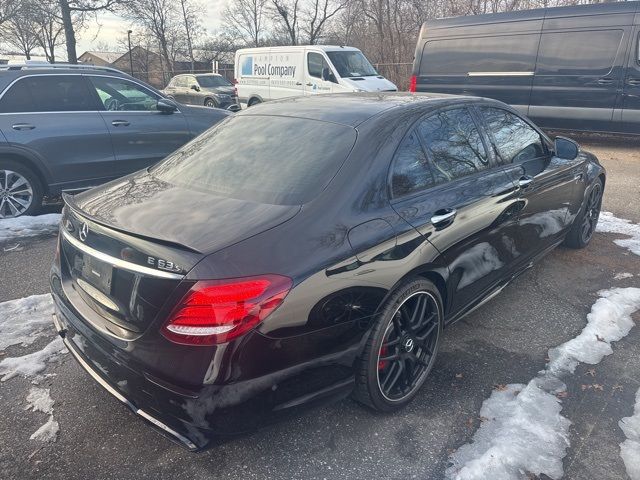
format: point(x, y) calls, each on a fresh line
point(276, 72)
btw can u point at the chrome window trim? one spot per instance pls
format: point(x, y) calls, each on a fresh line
point(117, 262)
point(500, 74)
point(2, 94)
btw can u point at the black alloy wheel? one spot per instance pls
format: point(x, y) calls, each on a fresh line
point(402, 348)
point(209, 103)
point(585, 223)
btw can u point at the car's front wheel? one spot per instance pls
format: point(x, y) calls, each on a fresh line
point(209, 102)
point(402, 347)
point(20, 190)
point(585, 223)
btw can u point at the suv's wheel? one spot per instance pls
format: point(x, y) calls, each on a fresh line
point(401, 348)
point(209, 102)
point(585, 223)
point(254, 101)
point(20, 190)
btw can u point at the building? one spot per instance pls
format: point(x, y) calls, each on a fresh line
point(101, 59)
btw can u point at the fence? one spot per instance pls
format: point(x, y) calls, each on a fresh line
point(398, 73)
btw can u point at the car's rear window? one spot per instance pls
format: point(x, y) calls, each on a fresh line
point(266, 159)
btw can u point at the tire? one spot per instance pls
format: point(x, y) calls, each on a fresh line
point(584, 225)
point(254, 101)
point(210, 102)
point(382, 382)
point(24, 193)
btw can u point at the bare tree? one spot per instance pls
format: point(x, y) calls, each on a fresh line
point(317, 14)
point(286, 12)
point(69, 12)
point(50, 28)
point(20, 30)
point(245, 20)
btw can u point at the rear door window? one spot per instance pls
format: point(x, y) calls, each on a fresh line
point(122, 95)
point(461, 56)
point(49, 93)
point(516, 141)
point(454, 144)
point(411, 170)
point(578, 53)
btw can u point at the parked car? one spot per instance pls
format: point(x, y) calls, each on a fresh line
point(66, 128)
point(248, 276)
point(277, 72)
point(209, 90)
point(568, 68)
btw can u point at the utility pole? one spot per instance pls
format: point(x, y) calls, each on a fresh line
point(129, 32)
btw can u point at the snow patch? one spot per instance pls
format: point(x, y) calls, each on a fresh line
point(609, 321)
point(622, 275)
point(21, 227)
point(24, 320)
point(630, 448)
point(611, 224)
point(523, 431)
point(39, 400)
point(47, 432)
point(32, 364)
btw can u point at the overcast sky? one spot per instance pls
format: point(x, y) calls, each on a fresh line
point(110, 28)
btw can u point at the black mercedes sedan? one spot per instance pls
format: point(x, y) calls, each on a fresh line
point(309, 249)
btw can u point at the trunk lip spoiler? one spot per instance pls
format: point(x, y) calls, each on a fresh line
point(117, 262)
point(104, 384)
point(68, 201)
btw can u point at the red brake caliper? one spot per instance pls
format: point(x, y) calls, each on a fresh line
point(382, 363)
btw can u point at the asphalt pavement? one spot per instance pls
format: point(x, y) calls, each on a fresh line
point(505, 341)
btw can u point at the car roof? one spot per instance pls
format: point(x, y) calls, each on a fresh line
point(350, 109)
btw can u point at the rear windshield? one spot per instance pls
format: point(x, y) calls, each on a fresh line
point(275, 160)
point(213, 81)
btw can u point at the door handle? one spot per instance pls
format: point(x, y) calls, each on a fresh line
point(23, 126)
point(298, 83)
point(443, 218)
point(633, 81)
point(309, 84)
point(525, 181)
point(605, 81)
point(117, 123)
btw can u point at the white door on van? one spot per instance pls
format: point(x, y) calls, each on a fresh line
point(314, 83)
point(286, 75)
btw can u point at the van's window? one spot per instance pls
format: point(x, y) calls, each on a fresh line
point(454, 144)
point(411, 172)
point(350, 63)
point(49, 93)
point(510, 53)
point(266, 166)
point(516, 141)
point(122, 95)
point(315, 64)
point(578, 53)
point(207, 81)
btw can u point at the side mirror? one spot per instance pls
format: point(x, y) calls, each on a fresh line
point(195, 87)
point(566, 148)
point(165, 105)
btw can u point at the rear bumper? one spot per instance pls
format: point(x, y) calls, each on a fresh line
point(113, 391)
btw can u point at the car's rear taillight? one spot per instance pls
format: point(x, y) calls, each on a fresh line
point(413, 83)
point(217, 311)
point(235, 87)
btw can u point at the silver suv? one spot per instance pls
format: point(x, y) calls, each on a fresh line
point(66, 128)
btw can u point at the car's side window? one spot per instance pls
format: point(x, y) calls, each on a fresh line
point(315, 64)
point(516, 141)
point(411, 172)
point(454, 144)
point(49, 93)
point(122, 95)
point(17, 99)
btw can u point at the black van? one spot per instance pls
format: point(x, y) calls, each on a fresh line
point(569, 68)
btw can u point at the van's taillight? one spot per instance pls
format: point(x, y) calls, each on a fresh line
point(413, 83)
point(217, 311)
